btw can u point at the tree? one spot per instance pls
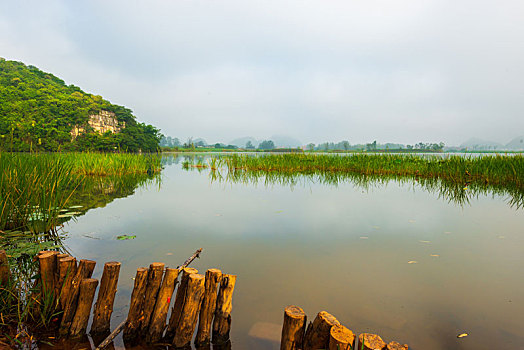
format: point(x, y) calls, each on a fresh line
point(371, 146)
point(249, 145)
point(311, 146)
point(266, 145)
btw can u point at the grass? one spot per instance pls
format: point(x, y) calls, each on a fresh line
point(495, 170)
point(453, 178)
point(35, 188)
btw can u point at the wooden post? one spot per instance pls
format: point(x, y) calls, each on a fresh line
point(71, 291)
point(88, 266)
point(222, 321)
point(106, 298)
point(85, 300)
point(207, 310)
point(154, 279)
point(48, 271)
point(136, 305)
point(5, 274)
point(67, 270)
point(317, 333)
point(293, 328)
point(393, 345)
point(179, 300)
point(158, 319)
point(367, 341)
point(341, 338)
point(190, 308)
point(60, 256)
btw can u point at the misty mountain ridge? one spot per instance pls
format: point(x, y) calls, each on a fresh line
point(478, 144)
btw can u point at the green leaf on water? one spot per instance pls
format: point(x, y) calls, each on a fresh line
point(125, 237)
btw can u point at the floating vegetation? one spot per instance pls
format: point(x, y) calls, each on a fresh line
point(125, 237)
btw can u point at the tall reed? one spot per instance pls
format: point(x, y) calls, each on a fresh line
point(33, 189)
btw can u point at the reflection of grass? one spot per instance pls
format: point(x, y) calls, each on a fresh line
point(455, 178)
point(34, 188)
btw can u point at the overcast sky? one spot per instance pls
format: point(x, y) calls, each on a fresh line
point(392, 71)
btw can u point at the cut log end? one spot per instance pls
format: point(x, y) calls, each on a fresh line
point(368, 341)
point(293, 328)
point(397, 346)
point(294, 312)
point(341, 338)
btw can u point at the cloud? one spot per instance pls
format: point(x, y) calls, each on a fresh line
point(403, 71)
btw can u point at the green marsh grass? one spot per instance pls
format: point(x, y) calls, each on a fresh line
point(494, 170)
point(35, 188)
point(455, 179)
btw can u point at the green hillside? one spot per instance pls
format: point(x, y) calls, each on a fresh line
point(38, 112)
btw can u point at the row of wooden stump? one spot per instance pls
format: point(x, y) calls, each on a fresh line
point(206, 300)
point(326, 332)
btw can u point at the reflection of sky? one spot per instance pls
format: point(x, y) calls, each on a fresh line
point(325, 248)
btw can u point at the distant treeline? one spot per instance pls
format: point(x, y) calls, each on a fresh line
point(38, 112)
point(170, 143)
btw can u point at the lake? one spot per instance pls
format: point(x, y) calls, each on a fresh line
point(386, 257)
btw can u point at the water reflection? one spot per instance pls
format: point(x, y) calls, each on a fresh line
point(455, 192)
point(98, 191)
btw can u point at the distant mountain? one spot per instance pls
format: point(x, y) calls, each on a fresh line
point(517, 144)
point(478, 144)
point(285, 141)
point(241, 142)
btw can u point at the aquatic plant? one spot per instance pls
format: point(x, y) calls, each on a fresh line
point(455, 179)
point(497, 169)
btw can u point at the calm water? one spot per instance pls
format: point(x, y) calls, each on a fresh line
point(344, 249)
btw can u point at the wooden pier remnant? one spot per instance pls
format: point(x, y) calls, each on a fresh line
point(154, 279)
point(208, 307)
point(205, 298)
point(158, 319)
point(5, 273)
point(189, 312)
point(85, 301)
point(318, 332)
point(106, 298)
point(326, 332)
point(179, 301)
point(368, 341)
point(88, 266)
point(293, 328)
point(48, 272)
point(66, 271)
point(136, 305)
point(341, 338)
point(222, 321)
point(71, 291)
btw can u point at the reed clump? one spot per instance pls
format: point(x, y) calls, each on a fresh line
point(35, 188)
point(497, 170)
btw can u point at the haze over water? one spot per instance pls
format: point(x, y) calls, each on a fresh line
point(391, 259)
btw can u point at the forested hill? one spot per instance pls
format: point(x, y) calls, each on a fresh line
point(38, 112)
